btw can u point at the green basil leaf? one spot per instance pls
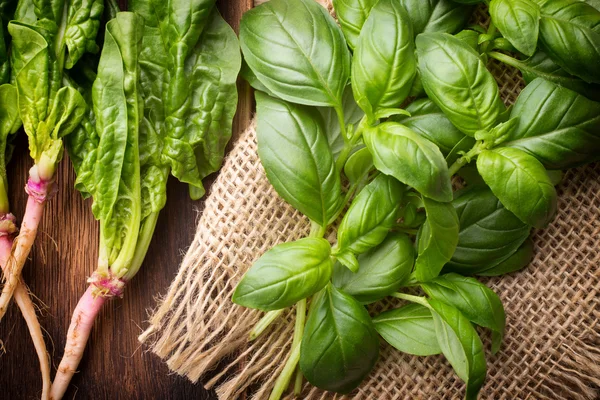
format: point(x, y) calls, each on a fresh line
point(382, 270)
point(518, 260)
point(437, 15)
point(556, 125)
point(542, 66)
point(287, 273)
point(456, 79)
point(489, 233)
point(470, 37)
point(437, 239)
point(294, 151)
point(352, 15)
point(304, 59)
point(593, 3)
point(429, 121)
point(384, 65)
point(359, 164)
point(409, 329)
point(521, 183)
point(410, 158)
point(519, 22)
point(498, 134)
point(250, 77)
point(352, 115)
point(570, 34)
point(473, 299)
point(370, 216)
point(461, 345)
point(340, 345)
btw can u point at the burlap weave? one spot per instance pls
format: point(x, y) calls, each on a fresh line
point(552, 345)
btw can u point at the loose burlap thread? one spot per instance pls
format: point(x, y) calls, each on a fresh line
point(552, 344)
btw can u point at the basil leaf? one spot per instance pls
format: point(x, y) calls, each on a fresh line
point(384, 65)
point(429, 121)
point(352, 115)
point(460, 344)
point(410, 158)
point(370, 216)
point(409, 329)
point(437, 15)
point(294, 151)
point(285, 274)
point(381, 270)
point(456, 79)
point(518, 260)
point(521, 183)
point(250, 77)
point(340, 345)
point(570, 34)
point(593, 3)
point(304, 59)
point(358, 165)
point(437, 239)
point(489, 233)
point(542, 66)
point(519, 22)
point(473, 299)
point(556, 125)
point(352, 15)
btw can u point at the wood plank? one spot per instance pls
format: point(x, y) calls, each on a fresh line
point(114, 366)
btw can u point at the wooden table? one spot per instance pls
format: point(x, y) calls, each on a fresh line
point(115, 365)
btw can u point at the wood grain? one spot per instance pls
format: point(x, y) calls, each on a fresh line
point(115, 366)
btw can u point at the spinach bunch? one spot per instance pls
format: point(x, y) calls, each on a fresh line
point(337, 144)
point(162, 104)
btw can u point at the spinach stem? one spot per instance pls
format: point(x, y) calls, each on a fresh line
point(413, 299)
point(264, 323)
point(284, 378)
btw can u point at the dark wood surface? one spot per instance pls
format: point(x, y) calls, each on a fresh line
point(115, 365)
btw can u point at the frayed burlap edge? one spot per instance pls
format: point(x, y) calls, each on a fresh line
point(552, 346)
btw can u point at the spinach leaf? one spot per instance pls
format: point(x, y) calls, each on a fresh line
point(116, 170)
point(287, 273)
point(410, 158)
point(409, 329)
point(297, 51)
point(352, 15)
point(384, 65)
point(352, 115)
point(489, 233)
point(294, 151)
point(381, 270)
point(358, 165)
point(437, 15)
point(369, 218)
point(83, 21)
point(518, 260)
point(437, 239)
point(340, 345)
point(9, 124)
point(189, 64)
point(556, 125)
point(460, 344)
point(428, 120)
point(570, 35)
point(521, 183)
point(456, 79)
point(519, 22)
point(473, 299)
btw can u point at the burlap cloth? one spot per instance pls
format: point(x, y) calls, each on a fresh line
point(552, 345)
